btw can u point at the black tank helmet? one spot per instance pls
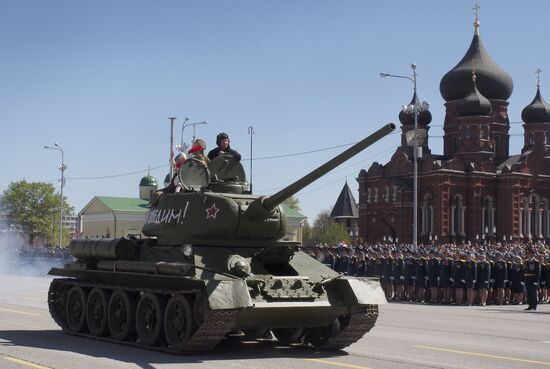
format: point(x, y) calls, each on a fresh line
point(221, 136)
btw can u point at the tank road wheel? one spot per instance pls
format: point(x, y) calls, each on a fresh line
point(150, 318)
point(287, 336)
point(76, 309)
point(319, 336)
point(57, 302)
point(178, 321)
point(121, 315)
point(199, 309)
point(96, 312)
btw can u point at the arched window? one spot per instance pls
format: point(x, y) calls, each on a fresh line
point(545, 219)
point(457, 216)
point(488, 225)
point(427, 216)
point(455, 144)
point(535, 216)
point(524, 219)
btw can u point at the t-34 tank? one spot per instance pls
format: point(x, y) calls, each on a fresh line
point(215, 261)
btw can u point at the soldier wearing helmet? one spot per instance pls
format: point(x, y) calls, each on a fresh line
point(222, 140)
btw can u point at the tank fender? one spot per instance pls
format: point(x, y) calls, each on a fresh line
point(228, 294)
point(361, 291)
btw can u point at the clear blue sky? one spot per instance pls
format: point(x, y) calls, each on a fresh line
point(101, 78)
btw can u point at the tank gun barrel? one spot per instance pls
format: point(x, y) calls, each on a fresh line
point(270, 202)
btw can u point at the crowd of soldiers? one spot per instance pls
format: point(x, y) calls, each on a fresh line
point(461, 274)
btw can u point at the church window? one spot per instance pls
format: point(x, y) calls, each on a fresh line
point(457, 216)
point(523, 218)
point(535, 217)
point(545, 219)
point(427, 216)
point(488, 225)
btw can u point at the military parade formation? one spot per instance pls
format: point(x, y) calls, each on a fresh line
point(460, 274)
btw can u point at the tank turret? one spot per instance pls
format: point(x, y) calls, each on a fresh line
point(215, 207)
point(214, 263)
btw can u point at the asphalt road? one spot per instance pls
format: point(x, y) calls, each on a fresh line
point(405, 336)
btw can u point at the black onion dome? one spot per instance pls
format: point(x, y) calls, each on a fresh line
point(474, 104)
point(407, 119)
point(493, 82)
point(536, 112)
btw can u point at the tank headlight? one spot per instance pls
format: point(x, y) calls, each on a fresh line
point(187, 250)
point(238, 266)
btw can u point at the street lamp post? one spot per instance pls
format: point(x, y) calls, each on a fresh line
point(62, 168)
point(181, 147)
point(414, 108)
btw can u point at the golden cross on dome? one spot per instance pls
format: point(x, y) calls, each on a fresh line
point(476, 21)
point(538, 72)
point(476, 11)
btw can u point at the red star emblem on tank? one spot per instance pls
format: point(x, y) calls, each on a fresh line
point(212, 212)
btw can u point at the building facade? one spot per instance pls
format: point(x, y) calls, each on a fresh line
point(475, 190)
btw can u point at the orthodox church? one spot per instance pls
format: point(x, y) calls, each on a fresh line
point(475, 190)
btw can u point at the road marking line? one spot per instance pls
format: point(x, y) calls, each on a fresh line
point(484, 355)
point(338, 364)
point(18, 312)
point(25, 362)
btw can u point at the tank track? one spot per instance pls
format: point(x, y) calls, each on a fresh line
point(353, 327)
point(215, 326)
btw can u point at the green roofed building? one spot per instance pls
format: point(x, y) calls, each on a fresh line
point(106, 216)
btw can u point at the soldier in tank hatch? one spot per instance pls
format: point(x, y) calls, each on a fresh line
point(222, 141)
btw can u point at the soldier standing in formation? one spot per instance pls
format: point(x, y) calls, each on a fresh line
point(500, 277)
point(531, 277)
point(516, 280)
point(458, 280)
point(445, 278)
point(483, 279)
point(545, 279)
point(409, 274)
point(432, 274)
point(420, 281)
point(469, 277)
point(398, 275)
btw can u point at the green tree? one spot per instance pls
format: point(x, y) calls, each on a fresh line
point(293, 203)
point(326, 230)
point(34, 207)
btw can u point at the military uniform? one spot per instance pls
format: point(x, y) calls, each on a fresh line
point(531, 276)
point(483, 274)
point(470, 274)
point(500, 274)
point(516, 277)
